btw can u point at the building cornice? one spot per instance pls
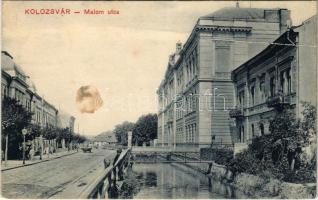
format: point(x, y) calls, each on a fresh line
point(197, 28)
point(279, 43)
point(20, 81)
point(223, 28)
point(6, 75)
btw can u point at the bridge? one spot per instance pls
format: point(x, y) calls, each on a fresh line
point(181, 154)
point(107, 185)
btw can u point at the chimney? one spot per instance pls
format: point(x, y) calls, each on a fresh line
point(171, 59)
point(178, 47)
point(285, 20)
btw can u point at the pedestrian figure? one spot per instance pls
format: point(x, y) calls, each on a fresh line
point(131, 160)
point(40, 150)
point(209, 169)
point(117, 156)
point(106, 163)
point(31, 153)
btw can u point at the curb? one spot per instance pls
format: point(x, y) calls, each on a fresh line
point(37, 162)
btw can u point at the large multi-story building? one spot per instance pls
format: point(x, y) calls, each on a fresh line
point(65, 120)
point(283, 75)
point(197, 89)
point(16, 84)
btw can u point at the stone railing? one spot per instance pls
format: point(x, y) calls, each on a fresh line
point(277, 101)
point(103, 186)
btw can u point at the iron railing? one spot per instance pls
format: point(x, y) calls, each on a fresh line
point(168, 154)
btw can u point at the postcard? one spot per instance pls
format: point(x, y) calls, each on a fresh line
point(158, 99)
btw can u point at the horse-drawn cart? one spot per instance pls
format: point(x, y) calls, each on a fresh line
point(87, 149)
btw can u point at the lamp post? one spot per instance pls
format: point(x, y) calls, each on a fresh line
point(24, 132)
point(41, 147)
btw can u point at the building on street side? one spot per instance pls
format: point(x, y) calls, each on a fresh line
point(65, 120)
point(105, 139)
point(16, 84)
point(284, 73)
point(197, 91)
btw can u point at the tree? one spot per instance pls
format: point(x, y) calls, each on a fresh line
point(79, 138)
point(145, 129)
point(14, 118)
point(282, 153)
point(35, 130)
point(121, 132)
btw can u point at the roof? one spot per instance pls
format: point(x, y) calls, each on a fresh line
point(31, 84)
point(238, 13)
point(105, 137)
point(283, 39)
point(7, 64)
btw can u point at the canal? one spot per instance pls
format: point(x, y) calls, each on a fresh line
point(167, 181)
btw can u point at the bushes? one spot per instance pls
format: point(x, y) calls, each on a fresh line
point(281, 153)
point(222, 156)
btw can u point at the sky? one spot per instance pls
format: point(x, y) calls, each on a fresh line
point(124, 56)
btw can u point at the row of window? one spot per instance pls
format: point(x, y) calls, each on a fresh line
point(22, 99)
point(190, 132)
point(261, 131)
point(4, 90)
point(186, 135)
point(179, 135)
point(190, 70)
point(258, 92)
point(187, 105)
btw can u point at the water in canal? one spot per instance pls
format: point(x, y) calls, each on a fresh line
point(166, 181)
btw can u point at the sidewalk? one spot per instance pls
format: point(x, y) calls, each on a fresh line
point(12, 164)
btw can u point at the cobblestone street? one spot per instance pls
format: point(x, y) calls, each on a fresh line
point(63, 177)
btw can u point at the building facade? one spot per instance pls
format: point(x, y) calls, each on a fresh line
point(197, 89)
point(65, 120)
point(16, 84)
point(106, 139)
point(281, 76)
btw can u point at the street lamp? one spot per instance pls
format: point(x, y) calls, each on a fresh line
point(24, 132)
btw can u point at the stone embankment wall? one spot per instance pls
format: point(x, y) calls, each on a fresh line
point(256, 186)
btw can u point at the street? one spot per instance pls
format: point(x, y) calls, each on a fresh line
point(60, 178)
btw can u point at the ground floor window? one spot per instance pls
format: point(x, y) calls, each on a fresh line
point(261, 127)
point(253, 133)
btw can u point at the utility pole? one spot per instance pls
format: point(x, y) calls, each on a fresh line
point(6, 150)
point(24, 132)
